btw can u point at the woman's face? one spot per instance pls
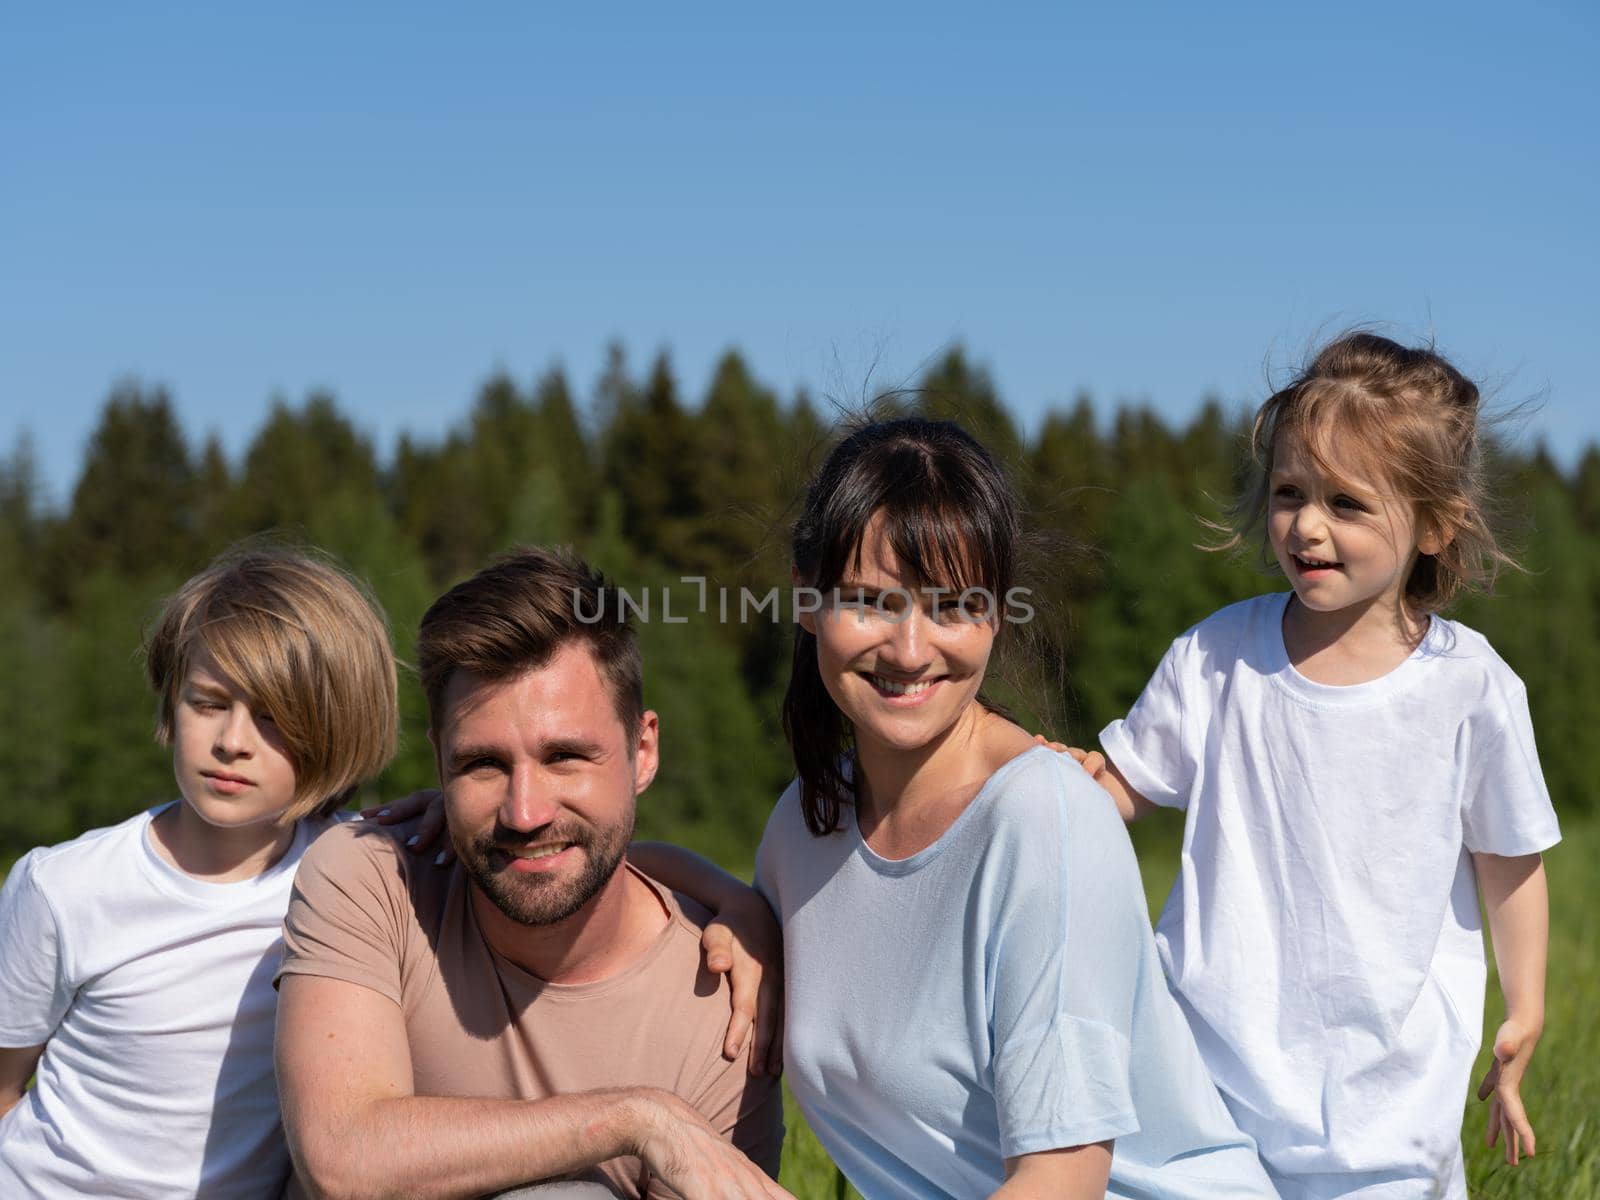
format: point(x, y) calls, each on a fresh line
point(902, 662)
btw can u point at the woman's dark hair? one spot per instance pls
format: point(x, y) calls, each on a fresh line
point(952, 520)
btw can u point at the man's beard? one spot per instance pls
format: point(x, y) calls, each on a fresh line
point(535, 898)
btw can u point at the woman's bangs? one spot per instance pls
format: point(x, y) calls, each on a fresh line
point(936, 547)
point(933, 546)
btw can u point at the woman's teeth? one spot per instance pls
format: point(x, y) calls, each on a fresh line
point(901, 689)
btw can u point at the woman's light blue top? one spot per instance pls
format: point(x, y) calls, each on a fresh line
point(996, 994)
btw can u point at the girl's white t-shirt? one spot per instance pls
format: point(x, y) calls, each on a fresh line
point(152, 994)
point(1323, 935)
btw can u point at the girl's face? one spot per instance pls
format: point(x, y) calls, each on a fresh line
point(902, 662)
point(1340, 539)
point(231, 763)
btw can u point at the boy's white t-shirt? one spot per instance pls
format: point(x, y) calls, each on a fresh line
point(152, 994)
point(1323, 935)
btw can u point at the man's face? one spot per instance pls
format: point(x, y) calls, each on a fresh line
point(539, 778)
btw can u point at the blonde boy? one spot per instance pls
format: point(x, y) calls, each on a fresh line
point(138, 959)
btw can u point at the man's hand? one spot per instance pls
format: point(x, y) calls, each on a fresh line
point(744, 943)
point(1502, 1087)
point(686, 1154)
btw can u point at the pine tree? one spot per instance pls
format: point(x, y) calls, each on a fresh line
point(134, 508)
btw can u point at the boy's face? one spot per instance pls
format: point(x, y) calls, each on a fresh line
point(231, 764)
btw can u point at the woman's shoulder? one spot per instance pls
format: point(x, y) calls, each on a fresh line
point(1044, 789)
point(786, 826)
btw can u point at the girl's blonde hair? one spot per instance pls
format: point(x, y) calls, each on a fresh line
point(1410, 419)
point(308, 645)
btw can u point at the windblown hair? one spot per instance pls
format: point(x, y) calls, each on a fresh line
point(307, 644)
point(514, 615)
point(1411, 421)
point(951, 519)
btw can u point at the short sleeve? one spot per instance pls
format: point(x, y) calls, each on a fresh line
point(781, 823)
point(746, 1109)
point(1147, 746)
point(343, 921)
point(34, 989)
point(1507, 807)
point(1066, 975)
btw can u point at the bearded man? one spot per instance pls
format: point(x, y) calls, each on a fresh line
point(539, 1011)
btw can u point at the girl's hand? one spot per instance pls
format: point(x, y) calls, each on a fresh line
point(1092, 761)
point(744, 943)
point(429, 805)
point(1502, 1087)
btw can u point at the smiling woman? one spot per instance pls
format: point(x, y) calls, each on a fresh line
point(974, 1004)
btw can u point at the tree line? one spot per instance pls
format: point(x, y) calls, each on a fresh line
point(657, 489)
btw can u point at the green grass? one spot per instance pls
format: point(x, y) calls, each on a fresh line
point(1563, 1087)
point(1562, 1091)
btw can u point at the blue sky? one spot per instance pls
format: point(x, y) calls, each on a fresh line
point(1146, 201)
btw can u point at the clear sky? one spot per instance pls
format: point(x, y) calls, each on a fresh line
point(1147, 201)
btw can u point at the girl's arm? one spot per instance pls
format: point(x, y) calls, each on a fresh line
point(1072, 1173)
point(1103, 771)
point(1517, 901)
point(16, 1068)
point(742, 941)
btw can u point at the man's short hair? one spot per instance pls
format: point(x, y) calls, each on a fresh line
point(307, 644)
point(514, 615)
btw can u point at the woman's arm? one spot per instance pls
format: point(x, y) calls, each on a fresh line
point(742, 941)
point(1517, 901)
point(1071, 1173)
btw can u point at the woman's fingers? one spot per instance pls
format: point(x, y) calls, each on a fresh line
point(775, 1040)
point(429, 828)
point(724, 956)
point(397, 812)
point(768, 1029)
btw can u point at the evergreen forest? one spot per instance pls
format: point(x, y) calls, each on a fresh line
point(658, 487)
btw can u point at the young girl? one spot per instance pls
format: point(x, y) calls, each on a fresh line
point(1353, 768)
point(139, 958)
point(974, 1005)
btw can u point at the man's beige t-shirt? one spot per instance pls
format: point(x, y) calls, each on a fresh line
point(366, 911)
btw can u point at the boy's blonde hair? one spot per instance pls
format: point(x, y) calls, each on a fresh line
point(1411, 420)
point(308, 645)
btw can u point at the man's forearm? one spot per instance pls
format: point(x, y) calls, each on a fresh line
point(439, 1146)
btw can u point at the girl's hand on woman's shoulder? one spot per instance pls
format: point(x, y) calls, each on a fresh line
point(1092, 761)
point(428, 804)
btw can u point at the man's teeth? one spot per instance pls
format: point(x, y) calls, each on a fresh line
point(540, 851)
point(901, 689)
